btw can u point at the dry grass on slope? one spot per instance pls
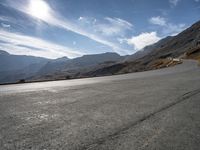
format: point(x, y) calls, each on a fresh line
point(193, 54)
point(162, 63)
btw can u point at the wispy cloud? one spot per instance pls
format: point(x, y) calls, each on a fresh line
point(173, 29)
point(5, 25)
point(114, 27)
point(59, 21)
point(69, 26)
point(167, 27)
point(174, 2)
point(16, 43)
point(158, 21)
point(143, 39)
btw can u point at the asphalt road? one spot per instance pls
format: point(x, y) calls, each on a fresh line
point(149, 110)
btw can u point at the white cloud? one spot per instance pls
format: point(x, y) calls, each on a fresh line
point(144, 39)
point(174, 2)
point(5, 25)
point(121, 40)
point(19, 44)
point(113, 27)
point(87, 21)
point(84, 20)
point(80, 18)
point(106, 27)
point(168, 28)
point(173, 29)
point(61, 22)
point(67, 25)
point(196, 0)
point(158, 21)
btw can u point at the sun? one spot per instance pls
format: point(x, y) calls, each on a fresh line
point(39, 9)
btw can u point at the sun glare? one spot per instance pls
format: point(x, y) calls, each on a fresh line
point(39, 9)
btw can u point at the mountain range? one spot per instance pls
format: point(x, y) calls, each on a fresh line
point(15, 68)
point(184, 45)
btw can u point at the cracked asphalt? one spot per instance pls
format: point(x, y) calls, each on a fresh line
point(150, 110)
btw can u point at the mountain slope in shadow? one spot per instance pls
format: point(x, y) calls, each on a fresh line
point(159, 55)
point(184, 45)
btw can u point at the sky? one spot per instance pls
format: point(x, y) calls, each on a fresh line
point(72, 28)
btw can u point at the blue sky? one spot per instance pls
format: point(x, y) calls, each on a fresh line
point(56, 28)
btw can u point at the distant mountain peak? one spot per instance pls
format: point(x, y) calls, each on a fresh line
point(102, 54)
point(65, 57)
point(62, 59)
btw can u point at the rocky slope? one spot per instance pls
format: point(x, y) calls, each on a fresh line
point(184, 45)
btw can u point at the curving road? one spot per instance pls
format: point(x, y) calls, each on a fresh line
point(149, 110)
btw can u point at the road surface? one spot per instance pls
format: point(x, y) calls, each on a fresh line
point(149, 110)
